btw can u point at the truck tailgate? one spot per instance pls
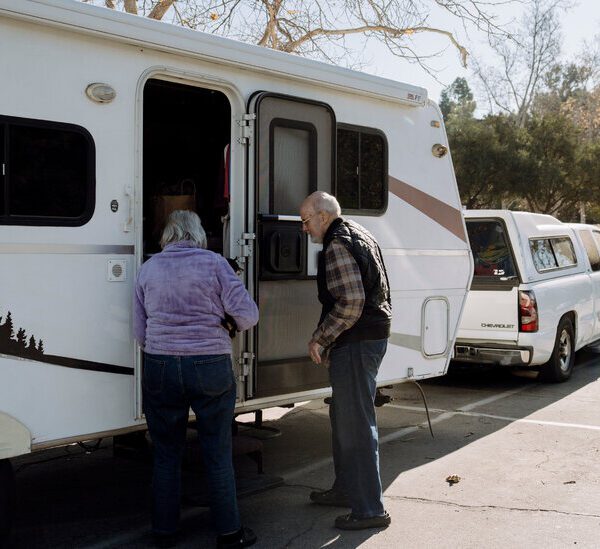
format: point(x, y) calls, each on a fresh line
point(491, 315)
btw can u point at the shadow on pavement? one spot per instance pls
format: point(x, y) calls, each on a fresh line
point(68, 497)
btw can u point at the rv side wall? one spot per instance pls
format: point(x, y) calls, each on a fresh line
point(70, 286)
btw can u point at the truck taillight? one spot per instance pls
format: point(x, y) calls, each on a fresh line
point(528, 312)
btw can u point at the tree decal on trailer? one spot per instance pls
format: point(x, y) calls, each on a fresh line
point(16, 344)
point(23, 345)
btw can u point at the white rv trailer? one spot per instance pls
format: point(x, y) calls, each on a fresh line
point(102, 114)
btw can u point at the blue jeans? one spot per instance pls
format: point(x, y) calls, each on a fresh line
point(171, 384)
point(352, 371)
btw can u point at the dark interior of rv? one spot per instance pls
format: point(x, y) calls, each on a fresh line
point(186, 133)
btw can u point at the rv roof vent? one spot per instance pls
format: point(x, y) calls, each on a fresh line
point(116, 270)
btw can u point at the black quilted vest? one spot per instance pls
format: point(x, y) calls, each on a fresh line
point(376, 317)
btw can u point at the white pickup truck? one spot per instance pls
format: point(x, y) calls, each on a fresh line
point(535, 295)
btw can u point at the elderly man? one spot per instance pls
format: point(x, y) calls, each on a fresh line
point(352, 336)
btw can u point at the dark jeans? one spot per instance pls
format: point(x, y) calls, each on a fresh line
point(352, 372)
point(171, 384)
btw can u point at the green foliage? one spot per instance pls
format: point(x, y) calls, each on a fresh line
point(568, 80)
point(457, 97)
point(548, 163)
point(551, 150)
point(487, 159)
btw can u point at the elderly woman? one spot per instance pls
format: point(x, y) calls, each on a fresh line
point(181, 297)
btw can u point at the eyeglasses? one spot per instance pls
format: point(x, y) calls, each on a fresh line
point(305, 221)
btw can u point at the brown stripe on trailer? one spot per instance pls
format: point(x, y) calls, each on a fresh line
point(448, 217)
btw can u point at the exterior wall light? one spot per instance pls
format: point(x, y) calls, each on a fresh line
point(439, 150)
point(100, 93)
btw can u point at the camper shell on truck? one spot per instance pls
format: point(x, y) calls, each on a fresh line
point(535, 294)
point(107, 120)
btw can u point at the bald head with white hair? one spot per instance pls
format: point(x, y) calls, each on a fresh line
point(318, 211)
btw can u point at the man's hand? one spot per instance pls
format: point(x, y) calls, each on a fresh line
point(315, 350)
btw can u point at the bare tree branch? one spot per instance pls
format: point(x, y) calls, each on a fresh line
point(160, 8)
point(380, 29)
point(319, 28)
point(130, 6)
point(524, 60)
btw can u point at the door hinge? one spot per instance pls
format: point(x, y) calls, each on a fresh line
point(246, 124)
point(245, 361)
point(246, 243)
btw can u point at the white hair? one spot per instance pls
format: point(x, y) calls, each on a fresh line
point(324, 202)
point(183, 225)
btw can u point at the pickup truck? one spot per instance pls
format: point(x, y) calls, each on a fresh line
point(535, 295)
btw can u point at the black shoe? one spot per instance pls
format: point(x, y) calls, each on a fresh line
point(244, 537)
point(349, 522)
point(332, 497)
point(165, 541)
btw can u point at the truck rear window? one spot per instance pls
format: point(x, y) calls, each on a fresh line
point(491, 252)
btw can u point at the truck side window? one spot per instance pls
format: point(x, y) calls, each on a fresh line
point(491, 253)
point(552, 253)
point(49, 173)
point(591, 249)
point(596, 235)
point(564, 252)
point(361, 170)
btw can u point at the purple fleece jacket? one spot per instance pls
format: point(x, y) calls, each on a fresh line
point(181, 295)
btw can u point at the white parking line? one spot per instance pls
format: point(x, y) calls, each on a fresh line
point(500, 418)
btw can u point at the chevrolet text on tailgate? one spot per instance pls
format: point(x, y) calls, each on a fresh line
point(535, 295)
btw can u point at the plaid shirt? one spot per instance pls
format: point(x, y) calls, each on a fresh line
point(345, 285)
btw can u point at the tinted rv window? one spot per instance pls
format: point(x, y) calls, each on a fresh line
point(552, 253)
point(49, 173)
point(2, 171)
point(591, 249)
point(491, 252)
point(361, 170)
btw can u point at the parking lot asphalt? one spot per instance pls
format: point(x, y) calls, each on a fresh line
point(527, 455)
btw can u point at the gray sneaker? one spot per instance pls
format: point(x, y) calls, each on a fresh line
point(331, 498)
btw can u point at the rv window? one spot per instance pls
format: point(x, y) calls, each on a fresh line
point(294, 164)
point(49, 173)
point(552, 253)
point(2, 171)
point(491, 252)
point(591, 249)
point(361, 170)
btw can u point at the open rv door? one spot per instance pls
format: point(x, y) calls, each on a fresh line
point(291, 154)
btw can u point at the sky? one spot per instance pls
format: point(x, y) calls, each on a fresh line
point(580, 23)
